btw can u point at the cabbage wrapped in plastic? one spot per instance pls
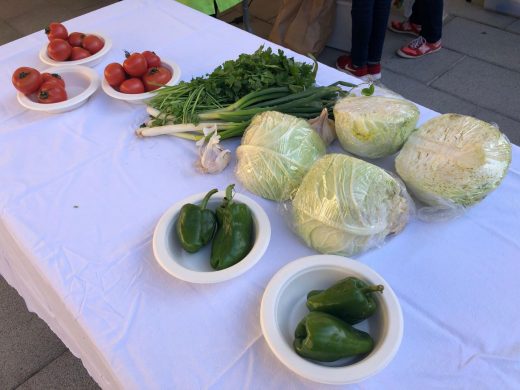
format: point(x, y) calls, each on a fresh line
point(346, 206)
point(276, 152)
point(374, 126)
point(454, 161)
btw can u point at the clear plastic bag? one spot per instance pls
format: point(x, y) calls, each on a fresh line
point(374, 126)
point(451, 163)
point(275, 153)
point(347, 206)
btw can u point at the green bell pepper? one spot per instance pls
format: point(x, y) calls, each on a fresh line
point(196, 224)
point(350, 299)
point(325, 338)
point(234, 237)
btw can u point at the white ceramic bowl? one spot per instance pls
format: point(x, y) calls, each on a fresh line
point(89, 61)
point(139, 98)
point(195, 267)
point(80, 83)
point(283, 306)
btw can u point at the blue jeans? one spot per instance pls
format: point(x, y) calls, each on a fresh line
point(428, 13)
point(369, 22)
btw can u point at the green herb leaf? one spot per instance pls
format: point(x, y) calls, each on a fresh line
point(369, 91)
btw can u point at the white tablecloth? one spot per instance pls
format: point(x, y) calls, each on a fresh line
point(80, 196)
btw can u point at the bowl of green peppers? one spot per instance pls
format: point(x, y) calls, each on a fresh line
point(211, 237)
point(331, 319)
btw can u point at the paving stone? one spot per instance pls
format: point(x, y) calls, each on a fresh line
point(66, 372)
point(77, 5)
point(7, 33)
point(13, 312)
point(38, 18)
point(26, 349)
point(394, 41)
point(426, 96)
point(514, 27)
point(96, 6)
point(12, 8)
point(508, 126)
point(329, 55)
point(484, 84)
point(477, 13)
point(484, 42)
point(424, 69)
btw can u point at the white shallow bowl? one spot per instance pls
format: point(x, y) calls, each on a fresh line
point(195, 267)
point(89, 61)
point(283, 306)
point(139, 98)
point(80, 83)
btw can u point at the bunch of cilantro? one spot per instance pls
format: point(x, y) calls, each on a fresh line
point(232, 80)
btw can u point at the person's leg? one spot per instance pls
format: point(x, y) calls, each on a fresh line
point(430, 39)
point(418, 12)
point(362, 11)
point(432, 20)
point(377, 35)
point(412, 25)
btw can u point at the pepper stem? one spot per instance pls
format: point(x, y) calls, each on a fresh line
point(206, 198)
point(229, 193)
point(374, 288)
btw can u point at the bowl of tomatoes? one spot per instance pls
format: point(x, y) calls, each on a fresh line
point(136, 79)
point(55, 90)
point(76, 48)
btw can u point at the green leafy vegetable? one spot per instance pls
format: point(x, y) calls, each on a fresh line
point(453, 161)
point(346, 206)
point(231, 81)
point(232, 120)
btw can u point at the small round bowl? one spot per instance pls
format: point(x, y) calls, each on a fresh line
point(283, 306)
point(138, 98)
point(80, 83)
point(89, 61)
point(195, 267)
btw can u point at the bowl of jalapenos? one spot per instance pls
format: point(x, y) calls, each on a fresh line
point(212, 236)
point(331, 319)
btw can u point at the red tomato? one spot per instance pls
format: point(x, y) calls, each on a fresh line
point(133, 85)
point(59, 50)
point(54, 77)
point(78, 53)
point(114, 74)
point(50, 92)
point(56, 31)
point(135, 64)
point(26, 80)
point(92, 43)
point(156, 78)
point(152, 59)
point(76, 38)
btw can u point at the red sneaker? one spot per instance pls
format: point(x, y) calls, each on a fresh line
point(418, 48)
point(405, 27)
point(344, 64)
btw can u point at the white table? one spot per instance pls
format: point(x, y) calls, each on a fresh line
point(80, 196)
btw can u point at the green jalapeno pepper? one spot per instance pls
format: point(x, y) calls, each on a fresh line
point(350, 299)
point(234, 237)
point(325, 338)
point(196, 224)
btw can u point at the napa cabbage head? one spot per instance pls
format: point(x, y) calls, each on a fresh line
point(275, 153)
point(346, 206)
point(454, 160)
point(374, 126)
